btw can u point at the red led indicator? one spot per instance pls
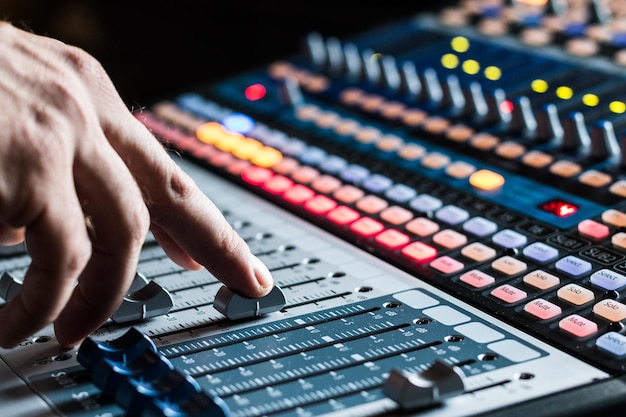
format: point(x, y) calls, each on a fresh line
point(506, 107)
point(560, 208)
point(255, 92)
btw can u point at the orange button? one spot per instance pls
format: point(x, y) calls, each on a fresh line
point(343, 215)
point(392, 238)
point(366, 226)
point(486, 180)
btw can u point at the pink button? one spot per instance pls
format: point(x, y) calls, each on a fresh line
point(477, 279)
point(325, 184)
point(320, 204)
point(447, 265)
point(509, 293)
point(278, 184)
point(298, 194)
point(593, 229)
point(578, 326)
point(542, 309)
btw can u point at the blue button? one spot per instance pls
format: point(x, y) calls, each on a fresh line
point(573, 266)
point(540, 252)
point(508, 238)
point(313, 155)
point(613, 343)
point(333, 164)
point(293, 147)
point(425, 203)
point(452, 214)
point(607, 279)
point(354, 173)
point(400, 193)
point(479, 226)
point(377, 183)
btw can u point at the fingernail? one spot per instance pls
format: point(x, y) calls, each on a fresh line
point(263, 275)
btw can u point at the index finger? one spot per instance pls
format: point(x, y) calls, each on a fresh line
point(187, 216)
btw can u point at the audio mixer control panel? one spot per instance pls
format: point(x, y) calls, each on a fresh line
point(440, 202)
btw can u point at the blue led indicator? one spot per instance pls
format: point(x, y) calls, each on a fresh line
point(238, 123)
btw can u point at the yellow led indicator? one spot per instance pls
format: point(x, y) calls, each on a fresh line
point(486, 180)
point(246, 148)
point(591, 100)
point(266, 157)
point(471, 67)
point(539, 86)
point(210, 132)
point(460, 44)
point(617, 107)
point(493, 73)
point(564, 93)
point(450, 61)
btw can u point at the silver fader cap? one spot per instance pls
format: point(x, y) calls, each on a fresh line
point(418, 390)
point(145, 299)
point(235, 306)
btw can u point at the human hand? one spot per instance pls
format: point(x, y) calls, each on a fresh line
point(82, 180)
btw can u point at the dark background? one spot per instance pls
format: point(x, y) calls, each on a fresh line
point(150, 48)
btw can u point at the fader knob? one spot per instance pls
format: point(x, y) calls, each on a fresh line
point(335, 57)
point(603, 141)
point(371, 68)
point(410, 83)
point(289, 92)
point(352, 61)
point(523, 120)
point(390, 73)
point(548, 124)
point(432, 386)
point(575, 134)
point(316, 49)
point(432, 87)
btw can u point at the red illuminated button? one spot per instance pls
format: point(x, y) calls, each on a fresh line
point(256, 175)
point(298, 194)
point(419, 252)
point(559, 208)
point(392, 238)
point(320, 204)
point(366, 226)
point(343, 215)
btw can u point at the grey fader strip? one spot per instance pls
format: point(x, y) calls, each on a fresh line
point(235, 306)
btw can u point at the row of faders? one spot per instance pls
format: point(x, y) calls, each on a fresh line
point(471, 159)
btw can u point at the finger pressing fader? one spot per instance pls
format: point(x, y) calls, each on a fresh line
point(235, 306)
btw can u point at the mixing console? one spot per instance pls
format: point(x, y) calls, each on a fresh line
point(440, 202)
